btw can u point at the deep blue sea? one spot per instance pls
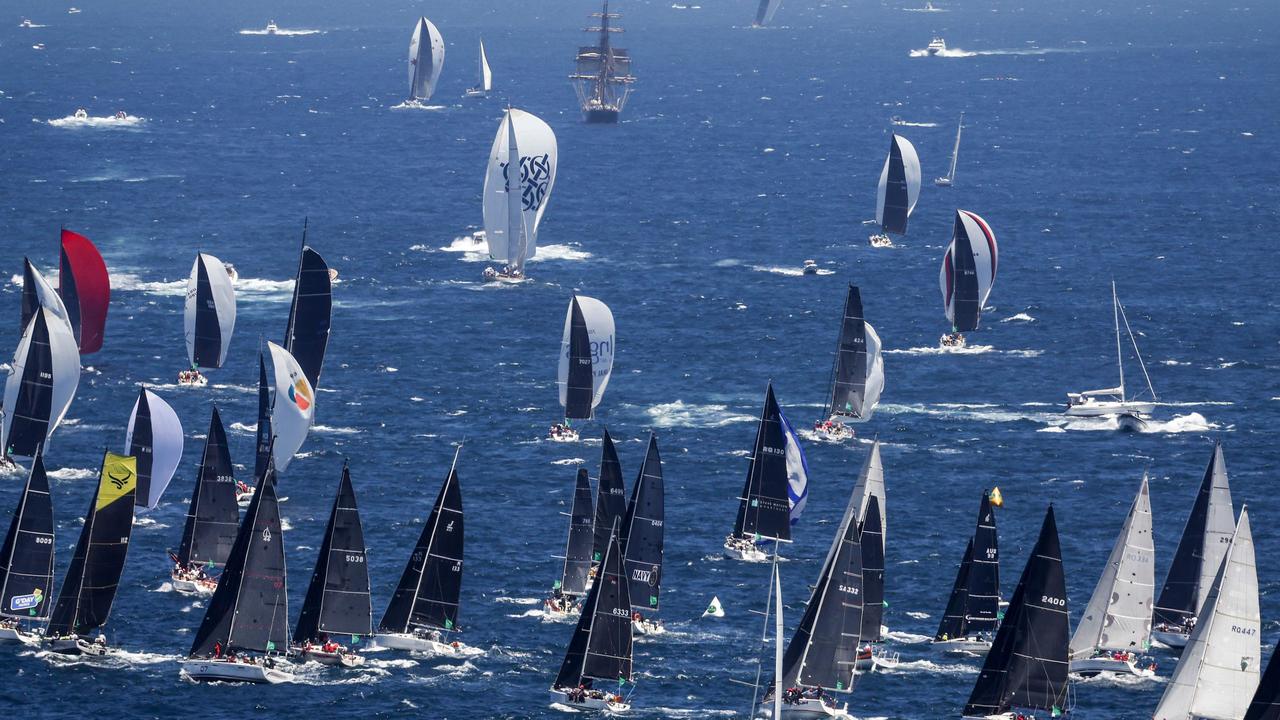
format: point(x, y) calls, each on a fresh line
point(1102, 142)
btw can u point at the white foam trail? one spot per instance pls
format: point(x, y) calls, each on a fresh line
point(281, 31)
point(959, 53)
point(108, 122)
point(333, 430)
point(937, 350)
point(559, 252)
point(568, 461)
point(73, 474)
point(1020, 317)
point(789, 271)
point(417, 105)
point(680, 414)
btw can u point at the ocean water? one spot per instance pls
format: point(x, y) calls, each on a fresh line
point(1101, 142)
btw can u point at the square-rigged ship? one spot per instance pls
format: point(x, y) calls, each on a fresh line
point(603, 74)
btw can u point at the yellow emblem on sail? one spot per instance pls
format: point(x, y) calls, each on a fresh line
point(996, 498)
point(119, 479)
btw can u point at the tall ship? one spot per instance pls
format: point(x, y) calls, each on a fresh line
point(602, 77)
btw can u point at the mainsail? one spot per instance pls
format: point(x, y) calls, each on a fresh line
point(857, 376)
point(515, 239)
point(899, 187)
point(426, 60)
point(42, 382)
point(954, 622)
point(295, 406)
point(337, 600)
point(974, 606)
point(85, 287)
point(601, 644)
point(577, 551)
point(968, 270)
point(871, 539)
point(212, 516)
point(586, 356)
point(485, 81)
point(764, 510)
point(210, 315)
point(1027, 664)
point(89, 589)
point(611, 497)
point(307, 335)
point(429, 589)
point(765, 12)
point(642, 528)
point(26, 559)
point(154, 438)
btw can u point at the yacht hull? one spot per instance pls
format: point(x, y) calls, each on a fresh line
point(221, 670)
point(560, 697)
point(601, 116)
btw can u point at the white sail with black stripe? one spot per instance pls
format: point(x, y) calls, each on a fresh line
point(155, 438)
point(586, 356)
point(42, 382)
point(210, 314)
point(899, 187)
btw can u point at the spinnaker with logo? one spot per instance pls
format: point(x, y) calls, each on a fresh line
point(898, 191)
point(586, 362)
point(154, 438)
point(857, 374)
point(764, 508)
point(26, 561)
point(213, 517)
point(294, 409)
point(642, 541)
point(973, 610)
point(968, 271)
point(210, 317)
point(85, 287)
point(572, 583)
point(310, 314)
point(514, 202)
point(93, 577)
point(42, 381)
point(426, 60)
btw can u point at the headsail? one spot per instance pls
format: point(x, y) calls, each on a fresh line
point(586, 356)
point(212, 516)
point(797, 470)
point(426, 60)
point(26, 559)
point(294, 409)
point(577, 552)
point(210, 315)
point(537, 160)
point(485, 82)
point(337, 600)
point(955, 622)
point(263, 445)
point(968, 270)
point(871, 483)
point(85, 287)
point(601, 643)
point(982, 609)
point(899, 187)
point(611, 497)
point(871, 539)
point(310, 315)
point(642, 528)
point(42, 382)
point(764, 510)
point(154, 437)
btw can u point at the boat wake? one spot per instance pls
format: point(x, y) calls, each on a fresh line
point(281, 31)
point(1120, 681)
point(1020, 317)
point(69, 473)
point(246, 288)
point(680, 414)
point(960, 53)
point(789, 271)
point(906, 638)
point(417, 105)
point(559, 252)
point(331, 430)
point(1189, 423)
point(108, 122)
point(568, 461)
point(935, 350)
point(933, 668)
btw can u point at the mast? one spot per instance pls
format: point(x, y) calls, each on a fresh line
point(517, 241)
point(774, 592)
point(1137, 353)
point(1115, 312)
point(955, 152)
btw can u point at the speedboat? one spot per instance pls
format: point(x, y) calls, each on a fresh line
point(952, 340)
point(242, 668)
point(1119, 662)
point(122, 115)
point(271, 27)
point(81, 114)
point(880, 240)
point(192, 378)
point(12, 632)
point(832, 430)
point(231, 271)
point(330, 653)
point(1130, 422)
point(76, 645)
point(73, 11)
point(191, 581)
point(871, 658)
point(936, 45)
point(423, 642)
point(744, 550)
point(562, 433)
point(26, 23)
point(588, 699)
point(810, 268)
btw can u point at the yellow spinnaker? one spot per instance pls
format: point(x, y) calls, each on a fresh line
point(119, 479)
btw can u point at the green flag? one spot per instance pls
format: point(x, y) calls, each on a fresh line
point(1056, 712)
point(448, 624)
point(555, 585)
point(653, 601)
point(270, 646)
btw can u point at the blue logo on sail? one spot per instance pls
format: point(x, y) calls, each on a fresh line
point(26, 602)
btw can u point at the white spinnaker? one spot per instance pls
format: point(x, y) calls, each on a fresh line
point(1218, 672)
point(426, 60)
point(538, 159)
point(875, 375)
point(1118, 616)
point(166, 444)
point(64, 352)
point(46, 295)
point(948, 300)
point(985, 252)
point(486, 75)
point(223, 296)
point(294, 408)
point(600, 330)
point(910, 172)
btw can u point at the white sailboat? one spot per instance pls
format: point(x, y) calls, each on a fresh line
point(426, 60)
point(949, 179)
point(898, 191)
point(1115, 401)
point(485, 82)
point(513, 206)
point(1116, 626)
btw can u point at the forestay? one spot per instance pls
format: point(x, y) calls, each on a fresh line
point(210, 315)
point(154, 438)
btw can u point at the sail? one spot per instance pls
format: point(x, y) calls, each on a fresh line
point(858, 373)
point(154, 437)
point(955, 623)
point(337, 600)
point(1201, 549)
point(210, 315)
point(42, 381)
point(38, 293)
point(294, 409)
point(538, 153)
point(968, 270)
point(601, 643)
point(642, 531)
point(1266, 701)
point(486, 75)
point(611, 497)
point(586, 356)
point(212, 516)
point(871, 483)
point(26, 559)
point(797, 470)
point(307, 335)
point(982, 608)
point(89, 589)
point(263, 445)
point(1118, 616)
point(899, 186)
point(577, 552)
point(1219, 669)
point(872, 542)
point(85, 288)
point(429, 588)
point(1027, 664)
point(426, 60)
point(764, 510)
point(250, 608)
point(765, 12)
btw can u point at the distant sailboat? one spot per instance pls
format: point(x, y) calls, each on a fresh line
point(155, 439)
point(485, 81)
point(602, 75)
point(515, 202)
point(857, 374)
point(1116, 625)
point(210, 317)
point(764, 511)
point(577, 552)
point(950, 178)
point(212, 517)
point(426, 60)
point(85, 287)
point(294, 409)
point(42, 382)
point(765, 12)
point(898, 191)
point(26, 561)
point(642, 541)
point(1199, 554)
point(310, 314)
point(973, 611)
point(967, 274)
point(586, 362)
point(1116, 400)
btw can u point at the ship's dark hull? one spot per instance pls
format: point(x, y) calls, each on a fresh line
point(600, 116)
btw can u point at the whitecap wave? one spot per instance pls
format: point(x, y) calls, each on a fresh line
point(568, 461)
point(681, 414)
point(334, 430)
point(1020, 317)
point(960, 53)
point(68, 473)
point(246, 288)
point(109, 122)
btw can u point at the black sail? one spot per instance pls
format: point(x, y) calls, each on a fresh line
point(26, 559)
point(89, 590)
point(966, 306)
point(642, 532)
point(264, 422)
point(250, 608)
point(337, 601)
point(765, 511)
point(578, 385)
point(207, 347)
point(1027, 664)
point(849, 376)
point(34, 402)
point(140, 446)
point(429, 589)
point(601, 643)
point(213, 516)
point(1178, 596)
point(611, 497)
point(68, 292)
point(983, 609)
point(871, 538)
point(30, 300)
point(897, 201)
point(577, 552)
point(954, 619)
point(1266, 700)
point(307, 335)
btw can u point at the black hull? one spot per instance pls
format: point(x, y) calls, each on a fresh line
point(600, 116)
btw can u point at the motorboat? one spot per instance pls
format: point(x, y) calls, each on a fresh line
point(272, 29)
point(244, 668)
point(744, 550)
point(872, 658)
point(897, 120)
point(26, 23)
point(936, 45)
point(231, 271)
point(809, 268)
point(974, 644)
point(81, 114)
point(1130, 422)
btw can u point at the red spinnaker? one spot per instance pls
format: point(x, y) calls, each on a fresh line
point(82, 273)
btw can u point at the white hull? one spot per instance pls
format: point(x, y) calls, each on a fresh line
point(192, 380)
point(475, 92)
point(648, 627)
point(1100, 665)
point(953, 341)
point(834, 433)
point(963, 645)
point(18, 635)
point(560, 697)
point(564, 437)
point(222, 670)
point(745, 553)
point(942, 182)
point(340, 659)
point(880, 659)
point(556, 612)
point(1171, 639)
point(416, 643)
point(72, 645)
point(808, 708)
point(1105, 408)
point(203, 588)
point(880, 241)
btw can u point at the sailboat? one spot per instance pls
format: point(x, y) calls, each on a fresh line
point(485, 81)
point(600, 648)
point(1116, 626)
point(1219, 669)
point(602, 74)
point(857, 374)
point(212, 517)
point(294, 409)
point(973, 611)
point(425, 604)
point(154, 438)
point(311, 313)
point(642, 541)
point(85, 288)
point(337, 603)
point(515, 202)
point(37, 293)
point(426, 60)
point(967, 274)
point(244, 633)
point(43, 378)
point(89, 588)
point(586, 362)
point(1116, 400)
point(611, 502)
point(577, 552)
point(26, 561)
point(764, 512)
point(210, 318)
point(950, 178)
point(898, 191)
point(1026, 669)
point(764, 12)
point(1199, 554)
